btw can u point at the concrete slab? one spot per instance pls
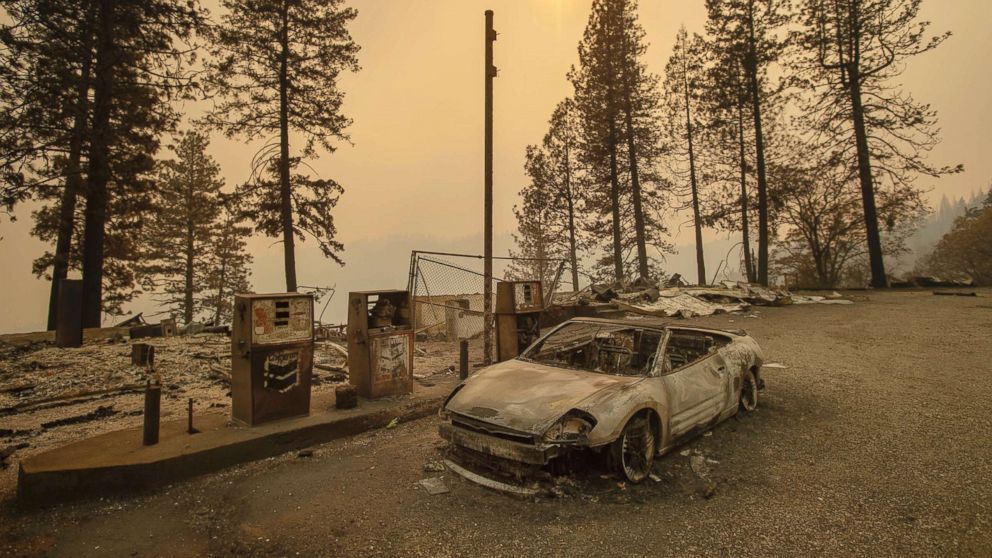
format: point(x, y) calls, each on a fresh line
point(117, 461)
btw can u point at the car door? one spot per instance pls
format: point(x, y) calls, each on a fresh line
point(696, 390)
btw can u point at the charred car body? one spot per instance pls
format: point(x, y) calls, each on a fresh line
point(629, 388)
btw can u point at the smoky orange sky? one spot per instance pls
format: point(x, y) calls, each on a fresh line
point(413, 178)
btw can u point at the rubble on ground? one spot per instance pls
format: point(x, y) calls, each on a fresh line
point(673, 298)
point(679, 304)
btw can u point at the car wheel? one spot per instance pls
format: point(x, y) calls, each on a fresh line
point(633, 452)
point(749, 392)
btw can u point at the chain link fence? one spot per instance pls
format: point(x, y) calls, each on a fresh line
point(447, 290)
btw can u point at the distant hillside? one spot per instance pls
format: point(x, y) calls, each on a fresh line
point(935, 226)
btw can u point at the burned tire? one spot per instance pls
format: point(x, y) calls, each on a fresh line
point(749, 392)
point(632, 454)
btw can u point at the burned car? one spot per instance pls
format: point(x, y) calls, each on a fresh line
point(627, 390)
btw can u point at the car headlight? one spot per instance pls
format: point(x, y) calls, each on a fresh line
point(569, 429)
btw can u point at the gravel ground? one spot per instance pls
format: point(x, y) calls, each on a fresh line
point(872, 442)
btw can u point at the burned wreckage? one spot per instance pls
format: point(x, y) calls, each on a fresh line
point(626, 390)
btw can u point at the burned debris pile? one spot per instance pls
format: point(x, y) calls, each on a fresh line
point(674, 299)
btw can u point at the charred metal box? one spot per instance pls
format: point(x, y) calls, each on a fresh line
point(518, 316)
point(271, 356)
point(380, 343)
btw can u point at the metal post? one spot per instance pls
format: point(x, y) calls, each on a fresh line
point(487, 297)
point(189, 415)
point(463, 359)
point(153, 403)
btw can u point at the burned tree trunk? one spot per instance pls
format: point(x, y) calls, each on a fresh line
point(694, 186)
point(745, 226)
point(570, 199)
point(878, 278)
point(759, 144)
point(73, 175)
point(220, 289)
point(99, 167)
point(635, 185)
point(286, 193)
point(615, 206)
point(188, 283)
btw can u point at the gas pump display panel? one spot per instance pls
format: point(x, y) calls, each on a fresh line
point(281, 321)
point(527, 297)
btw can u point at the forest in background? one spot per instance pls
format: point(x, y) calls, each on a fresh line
point(781, 122)
point(93, 90)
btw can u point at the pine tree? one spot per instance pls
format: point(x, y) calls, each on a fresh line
point(276, 67)
point(596, 99)
point(44, 88)
point(640, 101)
point(122, 243)
point(561, 145)
point(142, 52)
point(92, 83)
point(849, 54)
point(539, 247)
point(551, 199)
point(313, 201)
point(227, 266)
point(188, 203)
point(727, 136)
point(750, 31)
point(617, 101)
point(684, 78)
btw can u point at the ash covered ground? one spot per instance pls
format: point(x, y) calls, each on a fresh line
point(872, 440)
point(51, 396)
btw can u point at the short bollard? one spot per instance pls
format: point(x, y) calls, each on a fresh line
point(189, 414)
point(153, 403)
point(143, 354)
point(463, 359)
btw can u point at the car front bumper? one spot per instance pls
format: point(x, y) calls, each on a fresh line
point(498, 447)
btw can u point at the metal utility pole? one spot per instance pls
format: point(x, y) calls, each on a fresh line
point(487, 296)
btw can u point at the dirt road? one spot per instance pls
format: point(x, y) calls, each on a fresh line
point(873, 441)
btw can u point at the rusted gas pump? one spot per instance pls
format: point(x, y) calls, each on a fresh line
point(380, 343)
point(271, 356)
point(518, 317)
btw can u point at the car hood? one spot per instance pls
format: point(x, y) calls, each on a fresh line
point(529, 397)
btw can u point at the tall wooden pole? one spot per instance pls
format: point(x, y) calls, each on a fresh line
point(488, 288)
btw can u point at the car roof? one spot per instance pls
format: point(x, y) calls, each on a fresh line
point(653, 322)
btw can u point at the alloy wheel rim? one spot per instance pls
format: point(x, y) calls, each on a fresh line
point(750, 395)
point(636, 451)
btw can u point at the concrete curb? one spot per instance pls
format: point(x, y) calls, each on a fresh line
point(56, 476)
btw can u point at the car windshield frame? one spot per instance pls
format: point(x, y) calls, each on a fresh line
point(590, 332)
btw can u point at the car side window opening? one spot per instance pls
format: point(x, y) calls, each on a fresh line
point(602, 348)
point(685, 347)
